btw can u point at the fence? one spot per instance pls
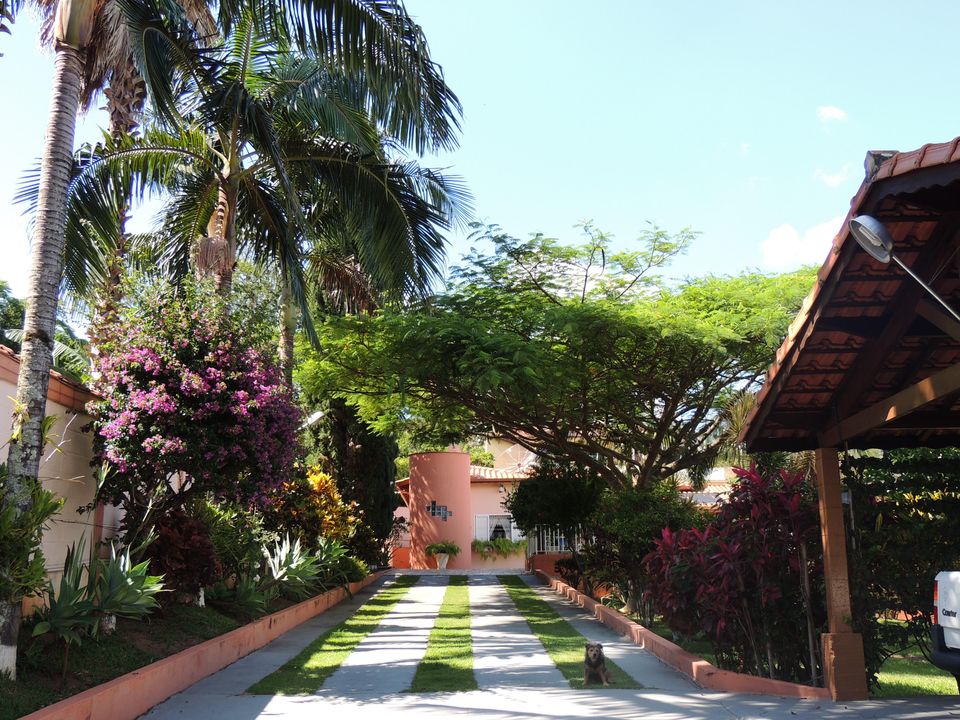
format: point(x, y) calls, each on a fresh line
point(551, 540)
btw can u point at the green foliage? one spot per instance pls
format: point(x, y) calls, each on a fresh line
point(361, 461)
point(353, 570)
point(444, 547)
point(122, 589)
point(12, 312)
point(237, 535)
point(69, 613)
point(904, 530)
point(561, 495)
point(22, 570)
point(498, 547)
point(80, 606)
point(622, 530)
point(291, 569)
point(599, 364)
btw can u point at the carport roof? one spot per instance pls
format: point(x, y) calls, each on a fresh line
point(872, 360)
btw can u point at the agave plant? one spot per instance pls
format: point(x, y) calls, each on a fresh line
point(291, 569)
point(91, 597)
point(121, 589)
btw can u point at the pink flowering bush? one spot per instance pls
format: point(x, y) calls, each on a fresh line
point(189, 407)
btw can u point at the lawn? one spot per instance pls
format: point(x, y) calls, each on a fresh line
point(913, 676)
point(562, 642)
point(306, 673)
point(133, 645)
point(447, 666)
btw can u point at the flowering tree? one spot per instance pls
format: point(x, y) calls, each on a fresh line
point(188, 407)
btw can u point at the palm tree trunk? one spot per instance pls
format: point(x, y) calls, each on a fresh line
point(289, 316)
point(46, 266)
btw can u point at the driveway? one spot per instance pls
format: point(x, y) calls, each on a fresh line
point(517, 680)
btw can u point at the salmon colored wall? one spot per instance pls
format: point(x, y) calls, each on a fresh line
point(517, 561)
point(486, 498)
point(400, 558)
point(445, 478)
point(66, 471)
point(545, 562)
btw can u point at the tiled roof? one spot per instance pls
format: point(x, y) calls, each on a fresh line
point(62, 390)
point(479, 473)
point(867, 331)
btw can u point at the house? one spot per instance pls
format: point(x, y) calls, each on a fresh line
point(447, 498)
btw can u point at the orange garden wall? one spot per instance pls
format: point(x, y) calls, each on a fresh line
point(129, 696)
point(444, 478)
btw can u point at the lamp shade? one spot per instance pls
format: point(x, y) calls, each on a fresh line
point(872, 236)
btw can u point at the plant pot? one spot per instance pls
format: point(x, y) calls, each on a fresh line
point(442, 559)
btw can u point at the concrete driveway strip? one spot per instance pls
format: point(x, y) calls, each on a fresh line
point(505, 652)
point(386, 660)
point(516, 697)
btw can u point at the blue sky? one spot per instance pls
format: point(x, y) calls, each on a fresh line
point(746, 121)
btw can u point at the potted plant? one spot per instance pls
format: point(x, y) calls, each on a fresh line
point(442, 551)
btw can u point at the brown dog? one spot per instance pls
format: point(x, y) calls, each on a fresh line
point(595, 665)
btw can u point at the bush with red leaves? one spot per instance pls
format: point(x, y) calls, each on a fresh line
point(183, 553)
point(751, 582)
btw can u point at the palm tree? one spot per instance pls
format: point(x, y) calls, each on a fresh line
point(289, 164)
point(374, 39)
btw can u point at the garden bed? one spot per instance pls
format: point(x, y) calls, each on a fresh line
point(697, 669)
point(148, 680)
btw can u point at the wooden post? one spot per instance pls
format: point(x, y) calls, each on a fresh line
point(844, 668)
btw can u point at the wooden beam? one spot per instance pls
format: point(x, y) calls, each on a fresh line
point(833, 536)
point(931, 312)
point(935, 387)
point(903, 314)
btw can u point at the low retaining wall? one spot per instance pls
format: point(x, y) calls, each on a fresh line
point(703, 673)
point(129, 696)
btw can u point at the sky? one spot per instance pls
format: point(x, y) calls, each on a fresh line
point(745, 121)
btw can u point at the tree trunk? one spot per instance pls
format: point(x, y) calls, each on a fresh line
point(289, 316)
point(216, 254)
point(46, 267)
point(9, 627)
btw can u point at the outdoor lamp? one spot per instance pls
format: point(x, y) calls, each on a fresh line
point(873, 237)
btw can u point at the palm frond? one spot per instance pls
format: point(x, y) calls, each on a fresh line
point(379, 45)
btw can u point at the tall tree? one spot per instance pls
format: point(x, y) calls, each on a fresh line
point(375, 39)
point(614, 371)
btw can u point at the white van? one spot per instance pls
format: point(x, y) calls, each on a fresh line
point(946, 623)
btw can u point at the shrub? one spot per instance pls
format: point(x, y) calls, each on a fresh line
point(498, 547)
point(113, 587)
point(185, 395)
point(183, 553)
point(311, 508)
point(621, 531)
point(238, 536)
point(353, 569)
point(444, 547)
point(746, 578)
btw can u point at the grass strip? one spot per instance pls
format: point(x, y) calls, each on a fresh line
point(306, 673)
point(447, 666)
point(563, 644)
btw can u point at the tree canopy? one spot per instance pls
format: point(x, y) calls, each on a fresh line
point(576, 353)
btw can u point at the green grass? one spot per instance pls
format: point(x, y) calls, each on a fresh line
point(563, 644)
point(447, 666)
point(911, 677)
point(133, 645)
point(306, 673)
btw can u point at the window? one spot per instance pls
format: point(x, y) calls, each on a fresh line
point(490, 527)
